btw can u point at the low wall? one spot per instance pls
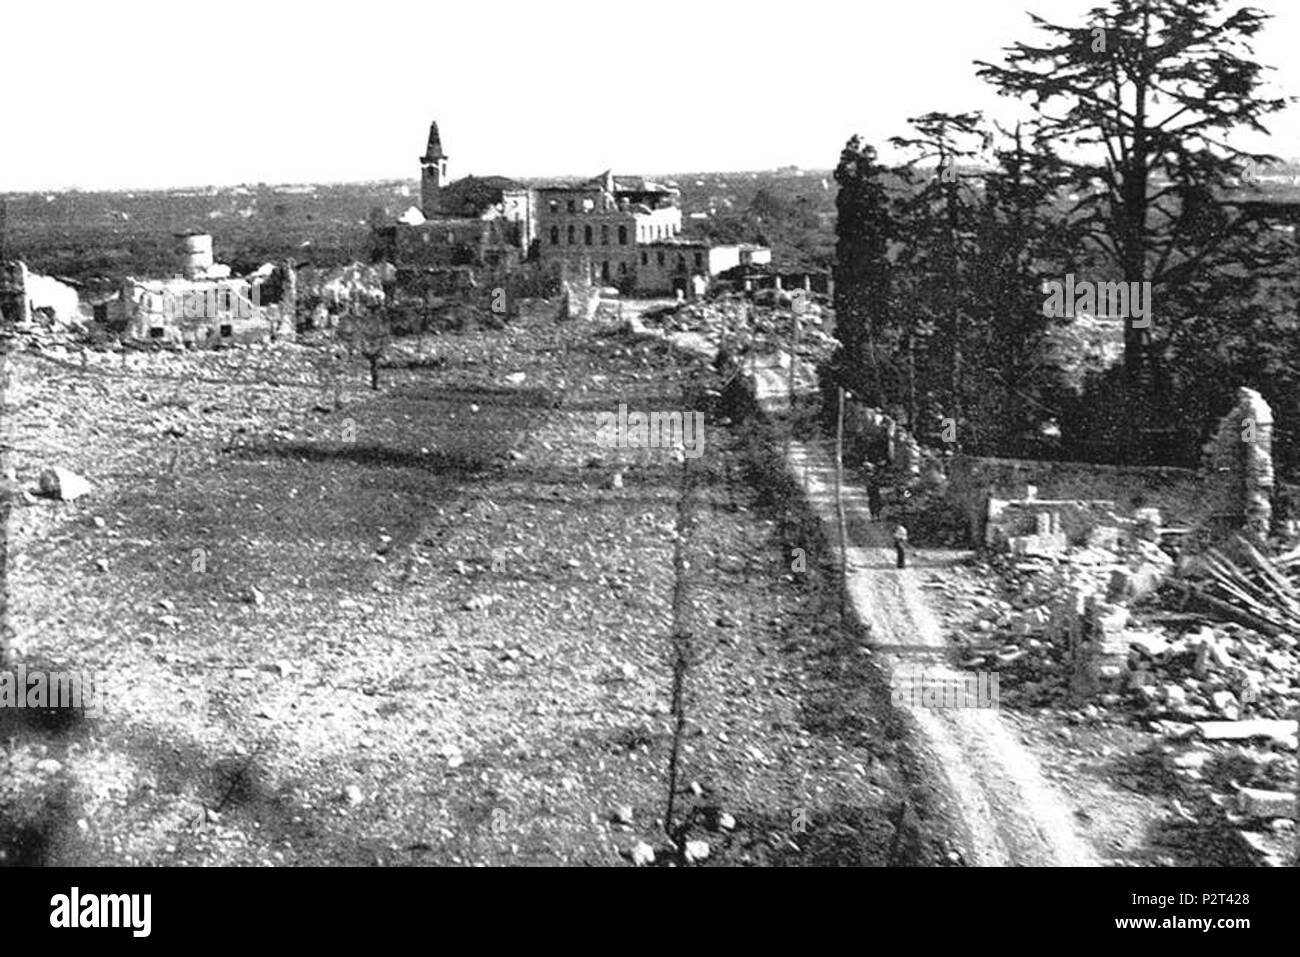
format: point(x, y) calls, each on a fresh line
point(1182, 495)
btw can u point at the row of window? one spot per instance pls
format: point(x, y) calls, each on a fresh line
point(622, 267)
point(589, 236)
point(587, 206)
point(681, 259)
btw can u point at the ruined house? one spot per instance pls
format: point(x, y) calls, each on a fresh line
point(25, 294)
point(204, 306)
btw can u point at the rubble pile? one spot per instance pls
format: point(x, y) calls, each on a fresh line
point(341, 286)
point(1103, 635)
point(739, 325)
point(1092, 628)
point(1259, 592)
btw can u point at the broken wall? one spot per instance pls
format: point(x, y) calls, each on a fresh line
point(1054, 524)
point(14, 306)
point(1181, 495)
point(1239, 470)
point(24, 293)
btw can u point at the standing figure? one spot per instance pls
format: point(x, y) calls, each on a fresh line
point(900, 545)
point(873, 492)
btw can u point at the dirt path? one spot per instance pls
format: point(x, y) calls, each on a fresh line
point(1013, 816)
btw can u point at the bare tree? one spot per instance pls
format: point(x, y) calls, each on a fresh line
point(367, 331)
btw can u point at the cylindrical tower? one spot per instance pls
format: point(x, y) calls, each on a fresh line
point(195, 254)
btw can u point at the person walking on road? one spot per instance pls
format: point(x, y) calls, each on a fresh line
point(900, 545)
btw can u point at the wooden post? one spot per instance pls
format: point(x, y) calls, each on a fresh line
point(839, 501)
point(796, 308)
point(794, 352)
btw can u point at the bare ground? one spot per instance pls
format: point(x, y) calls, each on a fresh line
point(428, 627)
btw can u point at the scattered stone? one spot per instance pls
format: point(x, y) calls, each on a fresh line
point(697, 851)
point(1150, 643)
point(623, 815)
point(642, 854)
point(1282, 732)
point(352, 795)
point(1225, 702)
point(726, 822)
point(49, 766)
point(1259, 803)
point(453, 756)
point(480, 602)
point(63, 484)
point(1189, 760)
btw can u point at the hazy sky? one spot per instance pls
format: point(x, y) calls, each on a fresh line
point(132, 93)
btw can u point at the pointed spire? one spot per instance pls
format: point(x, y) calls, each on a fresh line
point(434, 149)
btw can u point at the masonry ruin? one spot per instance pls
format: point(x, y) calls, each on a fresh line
point(204, 306)
point(15, 308)
point(26, 296)
point(1239, 470)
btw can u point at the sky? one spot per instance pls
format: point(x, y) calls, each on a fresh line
point(149, 94)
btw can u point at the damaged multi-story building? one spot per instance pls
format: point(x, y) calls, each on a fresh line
point(204, 306)
point(612, 230)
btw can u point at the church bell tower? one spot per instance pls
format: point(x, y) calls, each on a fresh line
point(433, 173)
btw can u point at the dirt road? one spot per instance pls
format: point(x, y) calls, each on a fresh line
point(1013, 816)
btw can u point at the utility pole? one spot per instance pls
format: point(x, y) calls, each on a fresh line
point(797, 308)
point(839, 503)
